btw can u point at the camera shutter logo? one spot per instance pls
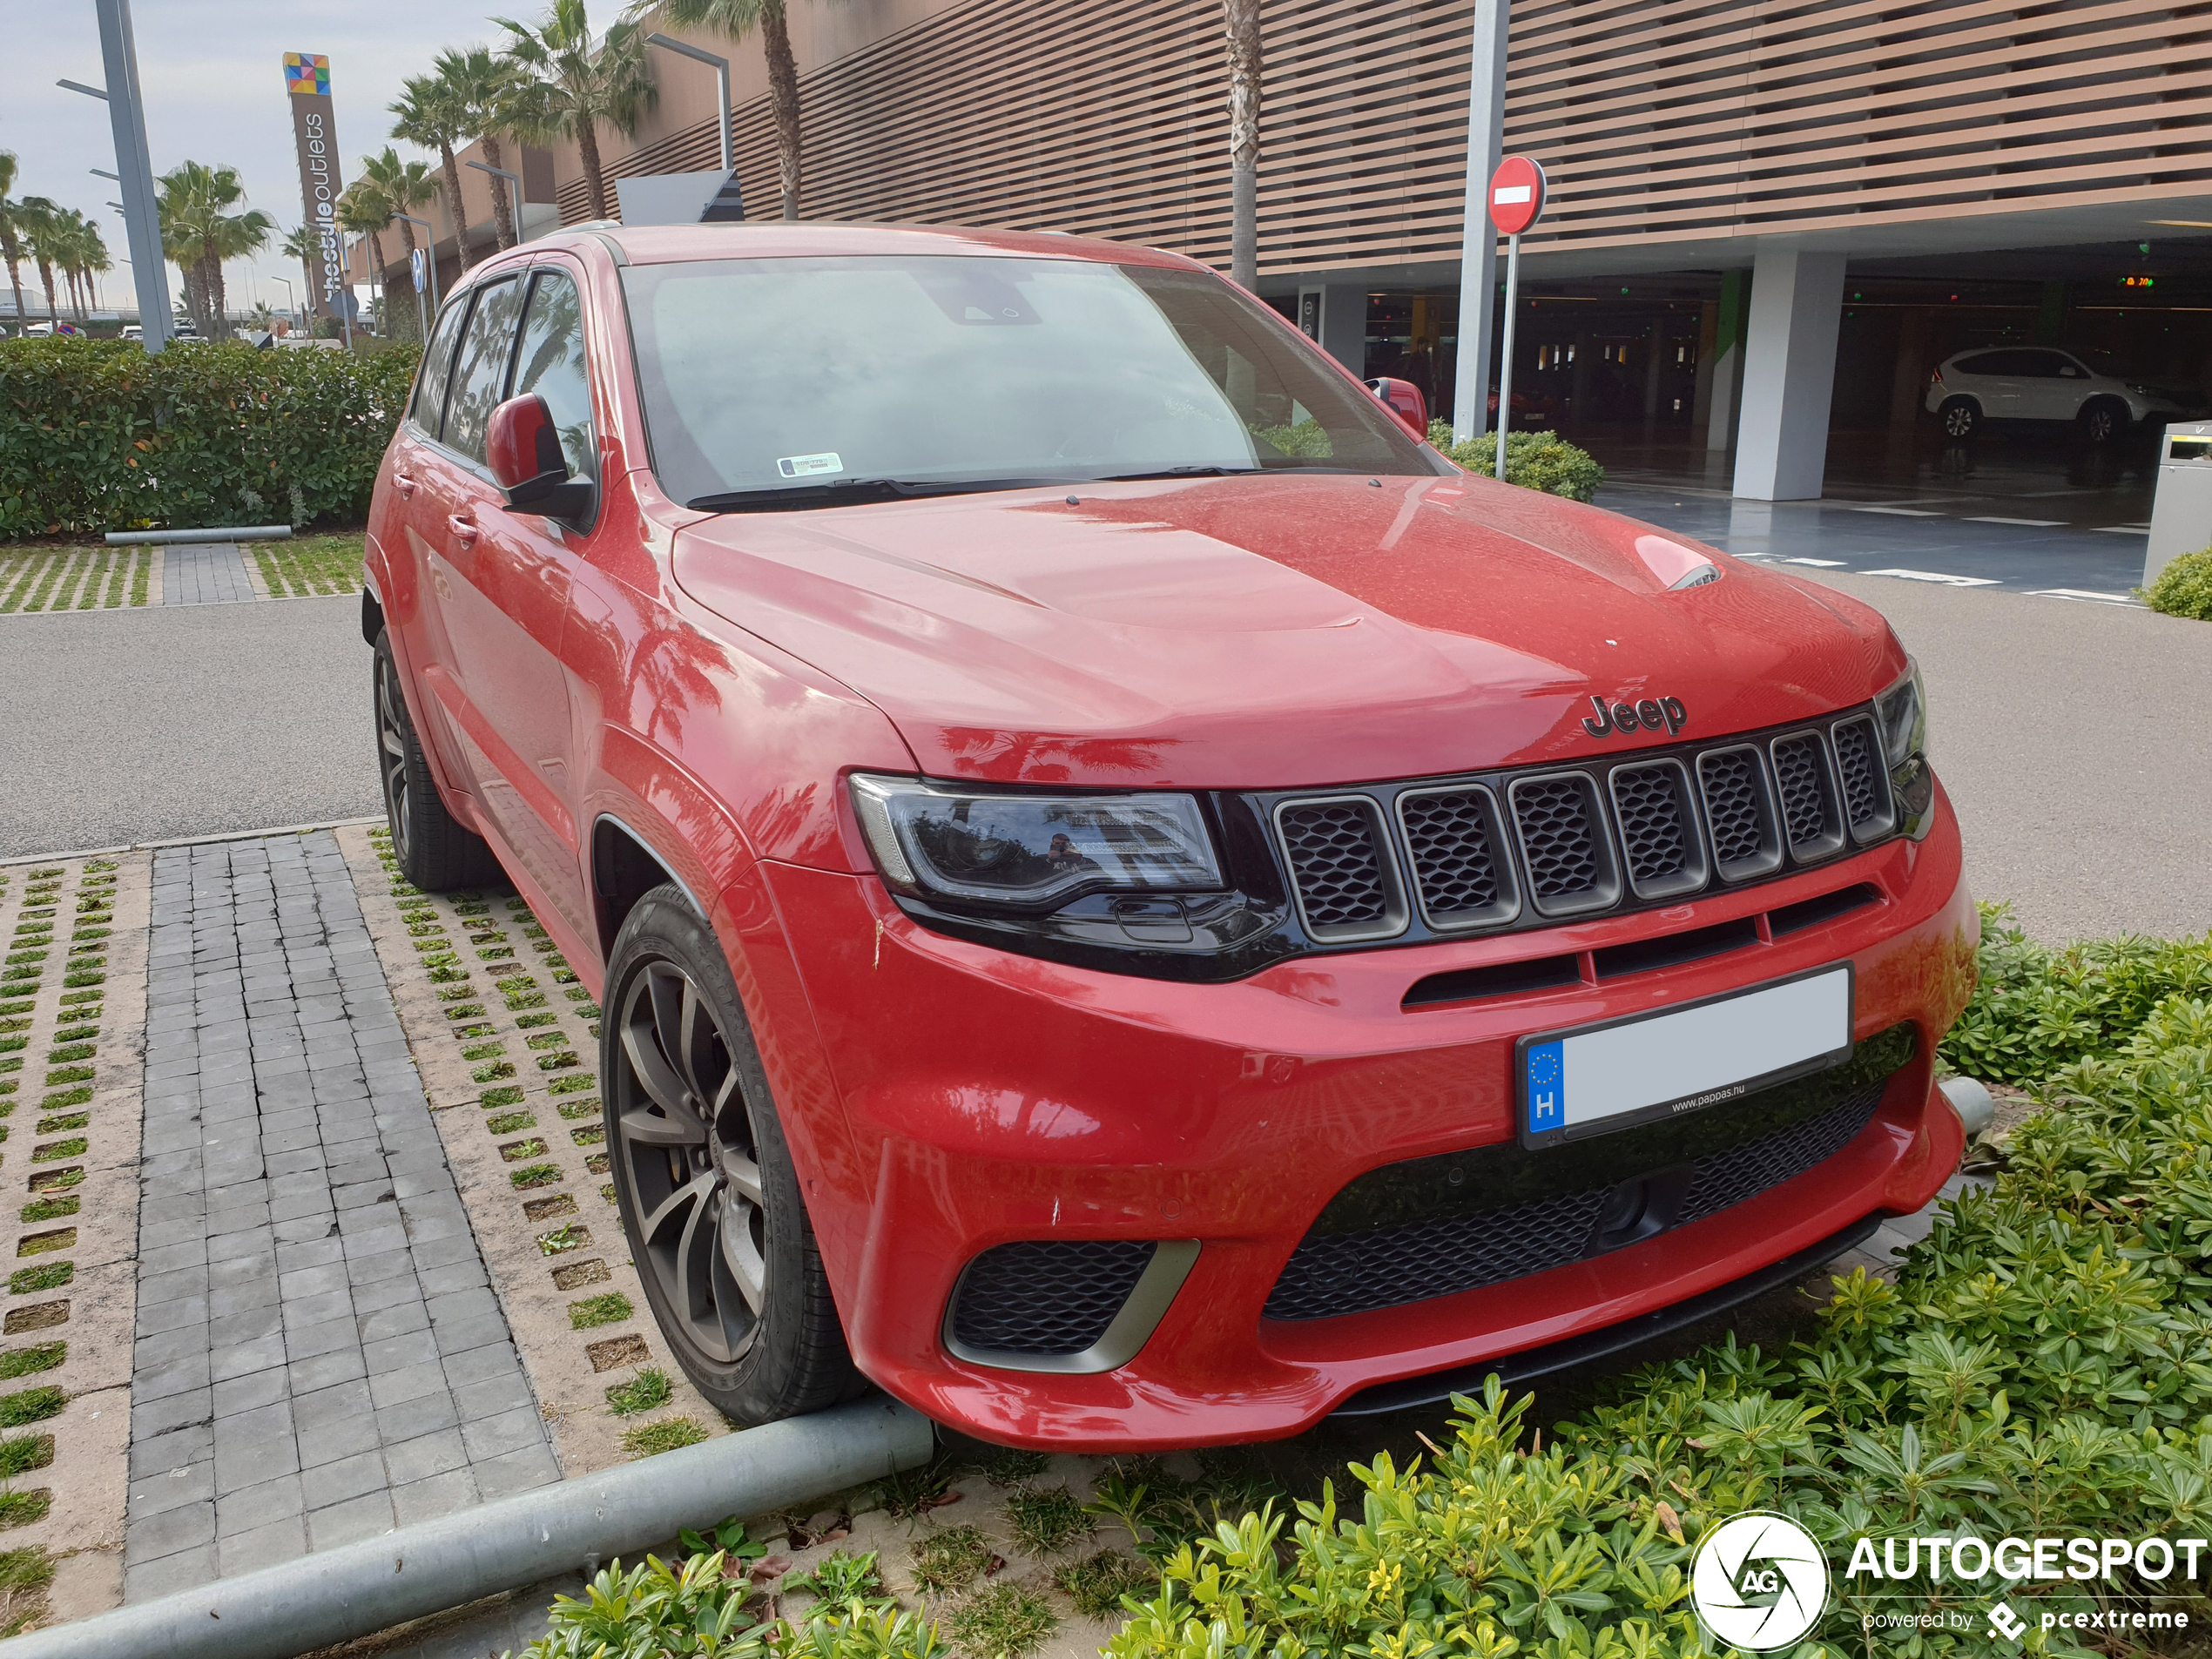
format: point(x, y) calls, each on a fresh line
point(1759, 1583)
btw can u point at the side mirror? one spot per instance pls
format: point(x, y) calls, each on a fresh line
point(524, 451)
point(1403, 399)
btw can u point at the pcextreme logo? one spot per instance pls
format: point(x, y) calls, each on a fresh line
point(1759, 1583)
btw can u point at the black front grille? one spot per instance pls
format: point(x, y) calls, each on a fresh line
point(1734, 804)
point(1554, 818)
point(1430, 858)
point(1864, 791)
point(1801, 779)
point(1455, 867)
point(1046, 1296)
point(1336, 864)
point(1436, 1226)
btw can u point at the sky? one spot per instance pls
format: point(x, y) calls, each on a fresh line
point(213, 72)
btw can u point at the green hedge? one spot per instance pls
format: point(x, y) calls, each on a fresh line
point(2183, 587)
point(1534, 460)
point(96, 435)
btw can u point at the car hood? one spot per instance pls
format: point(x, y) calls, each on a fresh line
point(1273, 632)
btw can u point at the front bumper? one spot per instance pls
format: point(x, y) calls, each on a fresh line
point(990, 1098)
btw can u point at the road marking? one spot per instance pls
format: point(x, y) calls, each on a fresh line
point(2030, 524)
point(1901, 512)
point(1824, 565)
point(2087, 594)
point(1938, 576)
point(2123, 530)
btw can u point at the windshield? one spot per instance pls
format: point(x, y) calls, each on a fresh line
point(781, 378)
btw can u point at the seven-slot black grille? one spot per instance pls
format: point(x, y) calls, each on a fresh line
point(1450, 834)
point(1336, 863)
point(1046, 1296)
point(1437, 1227)
point(1643, 828)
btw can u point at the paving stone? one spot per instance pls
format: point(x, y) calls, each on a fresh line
point(319, 1354)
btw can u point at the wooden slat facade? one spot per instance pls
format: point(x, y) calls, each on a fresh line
point(1667, 120)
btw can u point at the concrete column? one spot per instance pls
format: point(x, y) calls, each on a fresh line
point(1334, 315)
point(1655, 349)
point(1789, 373)
point(1725, 392)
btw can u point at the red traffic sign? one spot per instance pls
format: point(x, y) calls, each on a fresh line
point(1516, 194)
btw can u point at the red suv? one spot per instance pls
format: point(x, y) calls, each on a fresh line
point(1136, 904)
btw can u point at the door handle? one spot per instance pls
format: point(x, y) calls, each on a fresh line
point(463, 526)
point(405, 485)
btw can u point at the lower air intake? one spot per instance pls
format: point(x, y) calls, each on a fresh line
point(1046, 1297)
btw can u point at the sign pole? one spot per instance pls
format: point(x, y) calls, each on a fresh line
point(1505, 348)
point(1516, 202)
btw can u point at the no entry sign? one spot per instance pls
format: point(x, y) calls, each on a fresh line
point(1516, 195)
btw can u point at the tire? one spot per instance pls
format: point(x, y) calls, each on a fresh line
point(435, 851)
point(709, 1201)
point(2102, 420)
point(1960, 417)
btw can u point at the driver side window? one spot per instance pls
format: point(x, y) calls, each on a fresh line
point(551, 364)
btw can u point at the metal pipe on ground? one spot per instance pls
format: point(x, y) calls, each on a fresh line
point(172, 538)
point(357, 1590)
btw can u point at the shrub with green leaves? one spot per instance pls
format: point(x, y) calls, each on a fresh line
point(1534, 460)
point(2183, 587)
point(97, 435)
point(2039, 1369)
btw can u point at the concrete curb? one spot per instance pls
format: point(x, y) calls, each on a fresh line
point(184, 841)
point(357, 1590)
point(177, 538)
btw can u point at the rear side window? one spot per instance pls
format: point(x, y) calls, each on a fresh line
point(551, 363)
point(429, 409)
point(1988, 363)
point(480, 373)
point(2042, 365)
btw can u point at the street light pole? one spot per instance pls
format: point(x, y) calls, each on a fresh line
point(1478, 240)
point(291, 301)
point(141, 215)
point(721, 67)
point(514, 178)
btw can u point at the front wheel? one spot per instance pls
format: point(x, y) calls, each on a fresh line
point(1960, 416)
point(2103, 421)
point(435, 850)
point(709, 1201)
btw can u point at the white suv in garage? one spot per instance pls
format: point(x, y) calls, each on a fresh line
point(2040, 383)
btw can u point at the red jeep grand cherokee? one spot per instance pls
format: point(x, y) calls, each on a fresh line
point(1136, 904)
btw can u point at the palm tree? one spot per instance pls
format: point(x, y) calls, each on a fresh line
point(568, 89)
point(45, 235)
point(433, 115)
point(492, 93)
point(1240, 28)
point(12, 228)
point(404, 187)
point(84, 255)
point(737, 19)
point(364, 210)
point(198, 232)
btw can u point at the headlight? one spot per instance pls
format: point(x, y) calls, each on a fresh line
point(1031, 851)
point(1903, 712)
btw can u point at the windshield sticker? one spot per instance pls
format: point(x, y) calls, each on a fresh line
point(810, 466)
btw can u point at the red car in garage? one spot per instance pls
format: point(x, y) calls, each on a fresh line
point(1136, 904)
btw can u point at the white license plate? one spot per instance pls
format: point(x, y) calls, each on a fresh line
point(1593, 1079)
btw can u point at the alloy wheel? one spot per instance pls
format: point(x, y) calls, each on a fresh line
point(1958, 421)
point(2100, 425)
point(688, 1161)
point(391, 752)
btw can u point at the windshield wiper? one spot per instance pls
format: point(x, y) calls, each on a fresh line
point(1175, 472)
point(843, 492)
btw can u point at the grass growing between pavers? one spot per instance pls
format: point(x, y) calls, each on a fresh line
point(73, 578)
point(309, 565)
point(506, 1038)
